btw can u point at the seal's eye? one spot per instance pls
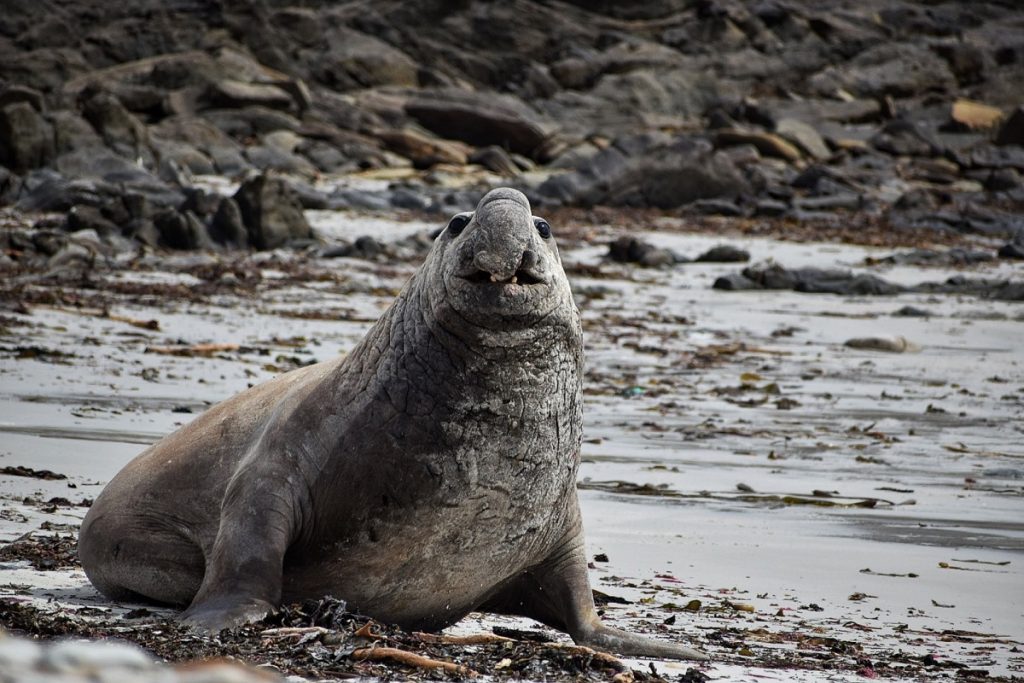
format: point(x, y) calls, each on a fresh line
point(457, 224)
point(543, 229)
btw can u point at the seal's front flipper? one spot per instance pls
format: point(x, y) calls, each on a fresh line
point(558, 594)
point(243, 575)
point(213, 616)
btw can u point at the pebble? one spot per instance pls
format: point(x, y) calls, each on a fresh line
point(912, 312)
point(889, 344)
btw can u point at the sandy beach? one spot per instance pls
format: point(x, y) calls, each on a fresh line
point(840, 512)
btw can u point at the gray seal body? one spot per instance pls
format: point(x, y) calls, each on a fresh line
point(428, 473)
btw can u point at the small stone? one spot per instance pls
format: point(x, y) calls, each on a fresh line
point(495, 159)
point(336, 251)
point(769, 144)
point(724, 254)
point(367, 247)
point(975, 115)
point(770, 207)
point(1002, 179)
point(735, 282)
point(803, 136)
point(405, 198)
point(1011, 251)
point(628, 249)
point(716, 207)
point(236, 94)
point(850, 144)
point(939, 171)
point(912, 312)
point(424, 150)
point(888, 344)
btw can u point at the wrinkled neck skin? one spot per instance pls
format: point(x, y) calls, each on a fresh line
point(445, 353)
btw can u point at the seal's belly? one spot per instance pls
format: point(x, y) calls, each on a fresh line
point(431, 567)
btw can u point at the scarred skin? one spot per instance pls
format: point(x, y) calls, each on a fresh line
point(428, 473)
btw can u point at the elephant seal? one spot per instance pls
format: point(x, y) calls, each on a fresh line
point(428, 473)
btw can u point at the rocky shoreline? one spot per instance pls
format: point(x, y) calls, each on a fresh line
point(149, 152)
point(906, 112)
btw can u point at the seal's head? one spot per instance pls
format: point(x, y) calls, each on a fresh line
point(500, 268)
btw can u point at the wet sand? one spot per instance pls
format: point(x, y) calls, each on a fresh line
point(711, 420)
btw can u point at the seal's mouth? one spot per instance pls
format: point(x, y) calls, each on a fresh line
point(520, 277)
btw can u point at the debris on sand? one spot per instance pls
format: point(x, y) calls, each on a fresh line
point(320, 639)
point(888, 344)
point(43, 552)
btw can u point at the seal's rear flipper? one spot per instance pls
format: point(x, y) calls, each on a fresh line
point(557, 593)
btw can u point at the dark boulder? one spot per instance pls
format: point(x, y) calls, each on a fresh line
point(12, 94)
point(45, 69)
point(1012, 131)
point(233, 94)
point(48, 190)
point(895, 69)
point(271, 212)
point(181, 230)
point(85, 217)
point(1011, 250)
point(904, 138)
point(121, 130)
point(185, 157)
point(272, 158)
point(496, 160)
point(809, 280)
point(102, 164)
point(26, 139)
point(1006, 156)
point(481, 119)
point(182, 136)
point(1003, 290)
point(355, 60)
point(647, 170)
point(200, 202)
point(1002, 179)
point(724, 254)
point(227, 227)
point(10, 182)
point(423, 150)
point(72, 132)
point(628, 249)
point(967, 62)
point(1014, 249)
point(251, 122)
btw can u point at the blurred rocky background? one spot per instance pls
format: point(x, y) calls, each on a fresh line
point(905, 115)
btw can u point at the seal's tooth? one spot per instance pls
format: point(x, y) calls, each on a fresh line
point(494, 278)
point(514, 280)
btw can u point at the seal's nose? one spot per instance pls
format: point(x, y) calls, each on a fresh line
point(503, 267)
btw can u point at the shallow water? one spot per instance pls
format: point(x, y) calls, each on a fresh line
point(688, 388)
